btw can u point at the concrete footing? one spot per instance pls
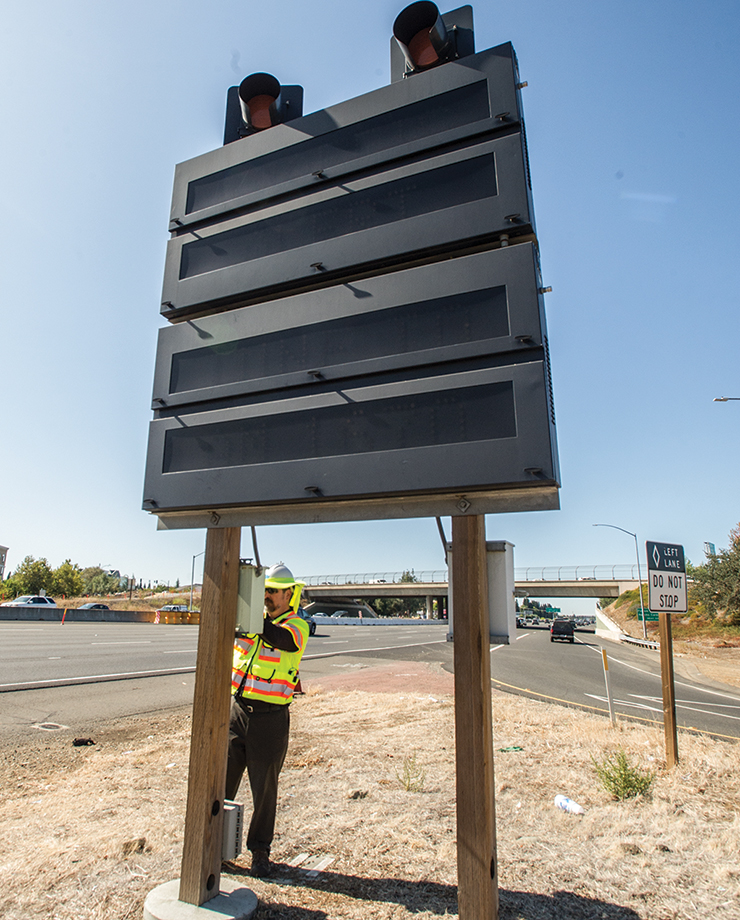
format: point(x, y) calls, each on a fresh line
point(233, 902)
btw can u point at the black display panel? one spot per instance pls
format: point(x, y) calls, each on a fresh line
point(441, 204)
point(476, 97)
point(471, 316)
point(357, 314)
point(471, 429)
point(482, 413)
point(418, 120)
point(386, 203)
point(481, 305)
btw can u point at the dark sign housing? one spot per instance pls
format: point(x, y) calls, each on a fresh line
point(357, 317)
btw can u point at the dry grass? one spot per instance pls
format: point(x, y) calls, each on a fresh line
point(88, 832)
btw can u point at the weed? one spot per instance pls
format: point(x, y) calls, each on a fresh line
point(412, 775)
point(620, 778)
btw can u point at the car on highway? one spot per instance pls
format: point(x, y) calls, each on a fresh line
point(92, 606)
point(30, 600)
point(174, 608)
point(562, 629)
point(355, 613)
point(337, 609)
point(309, 619)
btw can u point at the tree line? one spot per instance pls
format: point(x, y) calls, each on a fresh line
point(713, 588)
point(716, 584)
point(34, 576)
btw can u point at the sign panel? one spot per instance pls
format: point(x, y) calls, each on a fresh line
point(666, 578)
point(355, 226)
point(440, 107)
point(357, 317)
point(435, 379)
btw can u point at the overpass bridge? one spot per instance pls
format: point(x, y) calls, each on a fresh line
point(548, 581)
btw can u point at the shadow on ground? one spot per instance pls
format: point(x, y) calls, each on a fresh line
point(432, 897)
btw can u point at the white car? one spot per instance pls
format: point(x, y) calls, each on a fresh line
point(30, 600)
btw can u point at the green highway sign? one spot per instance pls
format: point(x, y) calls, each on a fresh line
point(650, 615)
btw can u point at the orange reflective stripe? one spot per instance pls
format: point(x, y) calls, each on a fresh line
point(296, 633)
point(269, 690)
point(298, 629)
point(266, 673)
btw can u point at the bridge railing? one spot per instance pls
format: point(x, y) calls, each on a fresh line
point(577, 573)
point(528, 573)
point(378, 578)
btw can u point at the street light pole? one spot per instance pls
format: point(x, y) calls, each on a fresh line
point(192, 578)
point(639, 571)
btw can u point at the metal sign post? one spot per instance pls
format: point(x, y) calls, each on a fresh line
point(667, 594)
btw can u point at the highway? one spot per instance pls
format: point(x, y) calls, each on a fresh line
point(534, 666)
point(77, 674)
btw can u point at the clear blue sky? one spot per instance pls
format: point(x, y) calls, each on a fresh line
point(633, 133)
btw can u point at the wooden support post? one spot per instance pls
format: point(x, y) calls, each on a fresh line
point(669, 690)
point(477, 864)
point(201, 856)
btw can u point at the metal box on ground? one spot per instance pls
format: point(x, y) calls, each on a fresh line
point(233, 829)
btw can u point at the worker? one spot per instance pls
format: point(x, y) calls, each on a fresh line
point(263, 680)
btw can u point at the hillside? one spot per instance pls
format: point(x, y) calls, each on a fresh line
point(713, 649)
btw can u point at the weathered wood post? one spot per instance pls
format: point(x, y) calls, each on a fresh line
point(201, 856)
point(669, 690)
point(477, 865)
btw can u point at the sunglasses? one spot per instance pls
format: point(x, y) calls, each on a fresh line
point(272, 590)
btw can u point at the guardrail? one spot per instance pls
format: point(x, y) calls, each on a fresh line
point(645, 643)
point(528, 573)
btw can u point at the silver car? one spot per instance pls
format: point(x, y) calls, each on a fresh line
point(30, 600)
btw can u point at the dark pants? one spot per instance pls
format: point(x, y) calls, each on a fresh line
point(258, 742)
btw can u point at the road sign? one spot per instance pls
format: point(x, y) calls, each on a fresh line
point(357, 324)
point(666, 578)
point(650, 616)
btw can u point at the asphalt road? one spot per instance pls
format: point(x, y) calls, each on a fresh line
point(78, 674)
point(574, 674)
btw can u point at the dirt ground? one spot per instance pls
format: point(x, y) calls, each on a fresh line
point(86, 832)
point(710, 659)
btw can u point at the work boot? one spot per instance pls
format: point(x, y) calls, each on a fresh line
point(261, 867)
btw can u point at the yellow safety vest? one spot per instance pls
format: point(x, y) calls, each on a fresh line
point(261, 672)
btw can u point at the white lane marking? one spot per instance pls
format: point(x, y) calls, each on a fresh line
point(524, 636)
point(494, 647)
point(683, 704)
point(603, 699)
point(54, 658)
point(180, 651)
point(656, 699)
point(125, 642)
point(678, 683)
point(336, 641)
point(381, 648)
point(706, 712)
point(89, 677)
